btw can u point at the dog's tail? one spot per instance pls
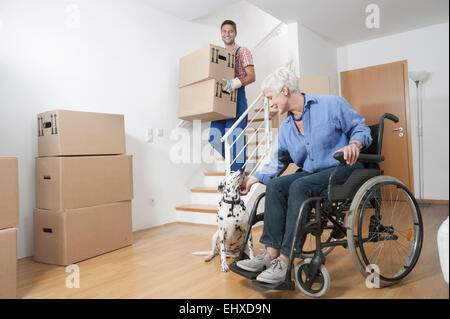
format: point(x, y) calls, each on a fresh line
point(201, 253)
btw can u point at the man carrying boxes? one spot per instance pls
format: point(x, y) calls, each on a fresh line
point(84, 187)
point(9, 219)
point(244, 75)
point(212, 84)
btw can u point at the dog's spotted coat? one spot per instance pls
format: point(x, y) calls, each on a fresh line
point(232, 220)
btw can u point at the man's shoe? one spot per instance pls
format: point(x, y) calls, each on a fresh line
point(257, 263)
point(274, 274)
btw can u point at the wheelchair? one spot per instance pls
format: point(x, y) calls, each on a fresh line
point(375, 217)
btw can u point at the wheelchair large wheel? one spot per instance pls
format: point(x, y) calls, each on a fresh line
point(386, 226)
point(319, 286)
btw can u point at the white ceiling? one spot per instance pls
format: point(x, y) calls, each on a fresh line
point(189, 9)
point(340, 21)
point(253, 24)
point(343, 21)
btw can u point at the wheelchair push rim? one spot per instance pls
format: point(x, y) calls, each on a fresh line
point(385, 224)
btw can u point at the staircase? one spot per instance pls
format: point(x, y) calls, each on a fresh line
point(204, 199)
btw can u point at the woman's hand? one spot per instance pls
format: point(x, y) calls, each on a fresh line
point(351, 153)
point(247, 183)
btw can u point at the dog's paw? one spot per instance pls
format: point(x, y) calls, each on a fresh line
point(208, 258)
point(225, 267)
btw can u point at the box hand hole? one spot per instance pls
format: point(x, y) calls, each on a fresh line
point(47, 230)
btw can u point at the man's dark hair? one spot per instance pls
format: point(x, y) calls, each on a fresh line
point(230, 22)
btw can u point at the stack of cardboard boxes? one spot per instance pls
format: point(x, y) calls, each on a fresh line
point(200, 82)
point(84, 187)
point(9, 219)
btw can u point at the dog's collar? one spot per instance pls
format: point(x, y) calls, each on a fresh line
point(232, 202)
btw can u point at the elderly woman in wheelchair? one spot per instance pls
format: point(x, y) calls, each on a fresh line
point(338, 192)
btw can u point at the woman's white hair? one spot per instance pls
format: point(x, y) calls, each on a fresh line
point(280, 77)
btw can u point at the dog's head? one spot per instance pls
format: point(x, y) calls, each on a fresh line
point(232, 182)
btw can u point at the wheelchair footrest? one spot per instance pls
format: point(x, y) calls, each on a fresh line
point(282, 285)
point(245, 273)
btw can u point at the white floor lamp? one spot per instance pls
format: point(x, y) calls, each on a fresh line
point(419, 77)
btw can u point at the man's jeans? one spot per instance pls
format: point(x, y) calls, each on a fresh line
point(220, 127)
point(285, 195)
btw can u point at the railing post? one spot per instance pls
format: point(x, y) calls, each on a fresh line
point(227, 157)
point(266, 125)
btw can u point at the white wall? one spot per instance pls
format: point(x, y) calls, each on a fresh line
point(425, 49)
point(122, 59)
point(318, 57)
point(293, 46)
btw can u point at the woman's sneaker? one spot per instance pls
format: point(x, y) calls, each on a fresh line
point(257, 263)
point(275, 273)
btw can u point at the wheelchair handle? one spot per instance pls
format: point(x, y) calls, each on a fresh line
point(394, 119)
point(390, 116)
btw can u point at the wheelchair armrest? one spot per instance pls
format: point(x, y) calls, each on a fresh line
point(286, 160)
point(365, 158)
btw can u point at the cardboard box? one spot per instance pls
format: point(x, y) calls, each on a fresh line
point(75, 182)
point(72, 235)
point(8, 263)
point(205, 101)
point(9, 192)
point(210, 62)
point(64, 132)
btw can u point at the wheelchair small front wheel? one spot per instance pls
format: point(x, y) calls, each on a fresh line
point(313, 288)
point(384, 230)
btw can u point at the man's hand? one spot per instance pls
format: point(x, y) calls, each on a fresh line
point(231, 85)
point(351, 152)
point(247, 183)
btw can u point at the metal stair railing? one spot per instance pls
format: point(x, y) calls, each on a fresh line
point(228, 146)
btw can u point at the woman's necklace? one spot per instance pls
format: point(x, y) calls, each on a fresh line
point(301, 116)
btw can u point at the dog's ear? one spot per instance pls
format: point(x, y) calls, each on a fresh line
point(220, 187)
point(241, 170)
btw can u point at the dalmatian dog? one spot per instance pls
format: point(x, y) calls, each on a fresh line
point(232, 221)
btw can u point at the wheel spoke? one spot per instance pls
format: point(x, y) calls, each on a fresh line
point(399, 253)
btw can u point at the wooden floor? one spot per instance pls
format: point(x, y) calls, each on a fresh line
point(160, 265)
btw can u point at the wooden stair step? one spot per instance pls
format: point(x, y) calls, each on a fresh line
point(271, 111)
point(209, 190)
point(198, 208)
point(261, 119)
point(253, 130)
point(219, 173)
point(256, 142)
